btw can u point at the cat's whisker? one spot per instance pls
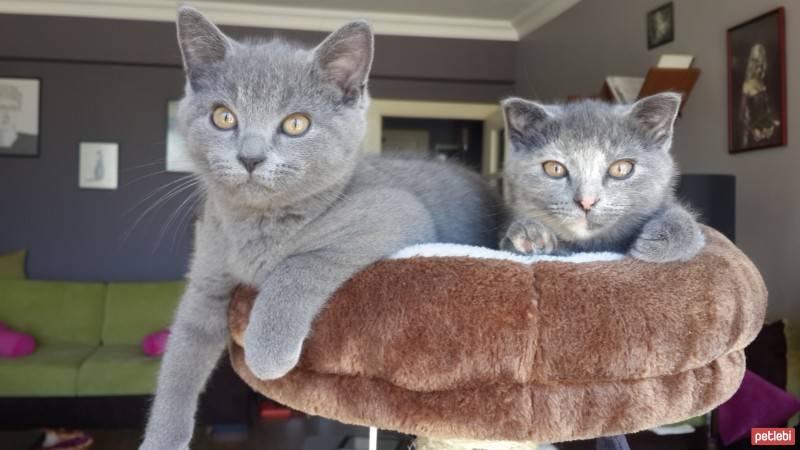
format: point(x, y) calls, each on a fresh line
point(160, 202)
point(166, 197)
point(157, 190)
point(149, 164)
point(175, 214)
point(143, 177)
point(186, 220)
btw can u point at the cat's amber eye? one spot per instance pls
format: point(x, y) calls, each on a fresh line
point(296, 124)
point(554, 169)
point(223, 118)
point(621, 169)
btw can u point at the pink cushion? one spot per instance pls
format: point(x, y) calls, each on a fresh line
point(757, 403)
point(154, 344)
point(14, 344)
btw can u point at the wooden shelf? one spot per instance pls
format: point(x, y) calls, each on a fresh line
point(674, 80)
point(657, 80)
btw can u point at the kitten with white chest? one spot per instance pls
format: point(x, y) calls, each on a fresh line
point(292, 206)
point(592, 176)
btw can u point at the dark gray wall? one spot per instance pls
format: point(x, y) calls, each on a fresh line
point(574, 53)
point(109, 80)
point(77, 234)
point(404, 67)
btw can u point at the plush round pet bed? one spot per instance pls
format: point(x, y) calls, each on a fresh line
point(499, 347)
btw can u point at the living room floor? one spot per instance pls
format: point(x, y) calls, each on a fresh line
point(301, 433)
point(314, 433)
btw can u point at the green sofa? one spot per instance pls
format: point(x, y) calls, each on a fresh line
point(89, 367)
point(88, 336)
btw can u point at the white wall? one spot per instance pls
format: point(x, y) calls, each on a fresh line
point(573, 54)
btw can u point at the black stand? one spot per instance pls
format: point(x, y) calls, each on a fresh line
point(612, 443)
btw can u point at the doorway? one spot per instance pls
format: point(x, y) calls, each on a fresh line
point(441, 139)
point(418, 124)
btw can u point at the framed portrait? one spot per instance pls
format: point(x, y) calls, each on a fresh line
point(660, 26)
point(98, 165)
point(19, 116)
point(177, 155)
point(757, 83)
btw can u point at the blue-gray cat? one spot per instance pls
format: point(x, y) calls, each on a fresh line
point(292, 207)
point(592, 176)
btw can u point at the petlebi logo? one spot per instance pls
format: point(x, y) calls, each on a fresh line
point(772, 436)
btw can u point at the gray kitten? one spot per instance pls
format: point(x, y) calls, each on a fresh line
point(591, 176)
point(292, 207)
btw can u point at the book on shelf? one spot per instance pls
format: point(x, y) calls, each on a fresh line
point(623, 89)
point(674, 61)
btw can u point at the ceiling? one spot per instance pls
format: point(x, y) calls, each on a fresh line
point(504, 20)
point(474, 9)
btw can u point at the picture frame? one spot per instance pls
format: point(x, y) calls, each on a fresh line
point(177, 156)
point(660, 26)
point(757, 83)
point(20, 110)
point(98, 165)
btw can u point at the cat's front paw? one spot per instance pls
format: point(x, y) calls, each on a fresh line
point(150, 446)
point(270, 349)
point(529, 237)
point(668, 239)
point(163, 440)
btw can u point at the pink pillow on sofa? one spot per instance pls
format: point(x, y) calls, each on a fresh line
point(154, 344)
point(14, 344)
point(757, 403)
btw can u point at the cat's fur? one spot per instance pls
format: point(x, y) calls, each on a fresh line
point(313, 213)
point(638, 215)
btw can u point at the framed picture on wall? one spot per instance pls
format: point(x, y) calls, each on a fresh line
point(757, 83)
point(660, 26)
point(177, 155)
point(98, 165)
point(19, 116)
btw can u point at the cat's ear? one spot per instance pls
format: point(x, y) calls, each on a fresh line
point(655, 116)
point(345, 58)
point(528, 123)
point(202, 43)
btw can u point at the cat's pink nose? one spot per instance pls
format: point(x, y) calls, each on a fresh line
point(586, 202)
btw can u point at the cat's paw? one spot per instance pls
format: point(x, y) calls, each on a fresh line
point(672, 237)
point(270, 349)
point(529, 237)
point(149, 446)
point(164, 442)
point(167, 430)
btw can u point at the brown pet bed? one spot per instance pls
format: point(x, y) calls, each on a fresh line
point(545, 352)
